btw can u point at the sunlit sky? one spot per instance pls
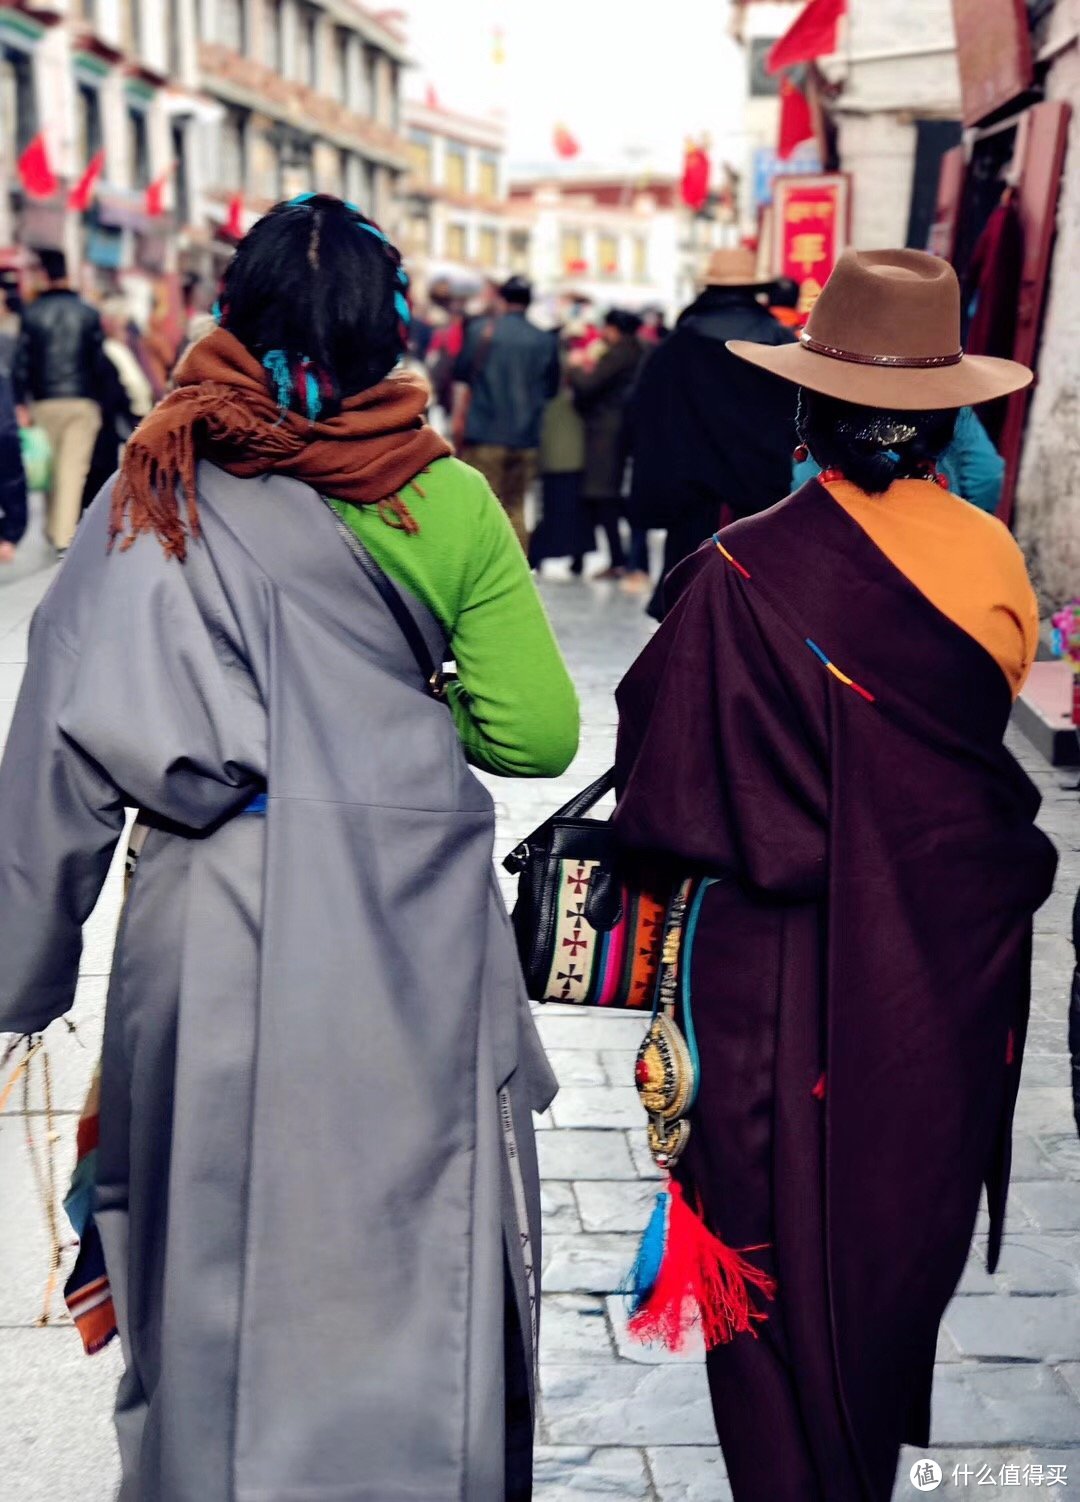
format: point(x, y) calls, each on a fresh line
point(624, 75)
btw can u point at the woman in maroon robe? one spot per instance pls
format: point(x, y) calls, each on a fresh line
point(819, 723)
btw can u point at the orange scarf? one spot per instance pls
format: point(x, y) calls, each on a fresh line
point(222, 410)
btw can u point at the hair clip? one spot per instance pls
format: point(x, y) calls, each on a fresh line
point(276, 364)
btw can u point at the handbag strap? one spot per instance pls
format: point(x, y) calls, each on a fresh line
point(433, 676)
point(578, 806)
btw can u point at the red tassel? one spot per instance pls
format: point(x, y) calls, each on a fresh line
point(701, 1281)
point(818, 1092)
point(1010, 1048)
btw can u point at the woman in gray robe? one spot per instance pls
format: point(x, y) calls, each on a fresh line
point(316, 1182)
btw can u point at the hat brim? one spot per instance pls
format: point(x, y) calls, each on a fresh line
point(735, 283)
point(975, 379)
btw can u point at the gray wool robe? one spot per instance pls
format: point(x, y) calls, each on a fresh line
point(316, 1154)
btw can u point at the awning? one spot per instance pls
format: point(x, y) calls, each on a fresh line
point(811, 35)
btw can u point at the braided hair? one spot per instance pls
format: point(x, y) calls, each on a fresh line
point(872, 447)
point(318, 294)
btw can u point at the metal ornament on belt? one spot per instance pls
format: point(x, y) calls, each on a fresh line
point(664, 1072)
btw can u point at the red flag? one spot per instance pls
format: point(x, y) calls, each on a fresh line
point(796, 119)
point(155, 195)
point(234, 224)
point(697, 170)
point(82, 194)
point(38, 178)
point(811, 35)
point(566, 144)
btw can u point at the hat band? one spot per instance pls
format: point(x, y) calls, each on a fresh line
point(894, 362)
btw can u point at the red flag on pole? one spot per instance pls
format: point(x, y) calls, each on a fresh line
point(155, 194)
point(82, 194)
point(35, 171)
point(812, 35)
point(796, 119)
point(234, 224)
point(566, 144)
point(697, 170)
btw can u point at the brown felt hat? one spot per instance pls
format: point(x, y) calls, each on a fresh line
point(885, 332)
point(735, 267)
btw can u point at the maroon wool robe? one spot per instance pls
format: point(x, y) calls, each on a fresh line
point(877, 931)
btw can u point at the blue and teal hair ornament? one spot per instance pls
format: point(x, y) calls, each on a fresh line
point(276, 364)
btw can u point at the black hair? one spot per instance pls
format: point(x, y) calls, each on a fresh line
point(54, 264)
point(872, 446)
point(517, 292)
point(626, 322)
point(315, 292)
point(784, 292)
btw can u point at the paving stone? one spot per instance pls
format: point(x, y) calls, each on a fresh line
point(626, 1405)
point(608, 1107)
point(58, 1443)
point(643, 1158)
point(1029, 1160)
point(577, 1066)
point(1050, 1206)
point(1000, 1327)
point(583, 1027)
point(559, 1208)
point(1031, 1263)
point(1043, 1109)
point(1046, 1069)
point(569, 1154)
point(689, 1473)
point(961, 1470)
point(1018, 1405)
point(574, 1327)
point(615, 1207)
point(1062, 1152)
point(569, 1472)
point(595, 1264)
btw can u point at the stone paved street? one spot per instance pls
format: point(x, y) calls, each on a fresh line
point(617, 1421)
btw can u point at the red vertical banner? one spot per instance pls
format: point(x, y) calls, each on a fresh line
point(811, 227)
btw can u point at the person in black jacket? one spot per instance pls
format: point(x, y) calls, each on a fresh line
point(57, 373)
point(12, 477)
point(600, 394)
point(706, 430)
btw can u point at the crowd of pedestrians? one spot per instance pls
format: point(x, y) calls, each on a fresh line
point(76, 377)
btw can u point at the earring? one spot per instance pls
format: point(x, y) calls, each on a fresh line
point(801, 454)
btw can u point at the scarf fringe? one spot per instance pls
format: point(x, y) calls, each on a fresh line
point(684, 1276)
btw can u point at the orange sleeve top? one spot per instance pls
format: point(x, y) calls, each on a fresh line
point(964, 561)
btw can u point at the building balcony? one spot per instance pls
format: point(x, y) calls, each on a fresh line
point(250, 84)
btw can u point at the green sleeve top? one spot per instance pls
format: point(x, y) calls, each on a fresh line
point(513, 703)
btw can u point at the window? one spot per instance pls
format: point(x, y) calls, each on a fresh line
point(272, 52)
point(307, 22)
point(519, 252)
point(456, 242)
point(370, 99)
point(489, 248)
point(138, 147)
point(130, 39)
point(89, 123)
point(488, 184)
point(19, 107)
point(421, 162)
point(181, 178)
point(232, 155)
point(174, 49)
point(341, 64)
point(607, 254)
point(419, 235)
point(573, 250)
point(455, 168)
point(641, 260)
point(231, 25)
point(763, 84)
